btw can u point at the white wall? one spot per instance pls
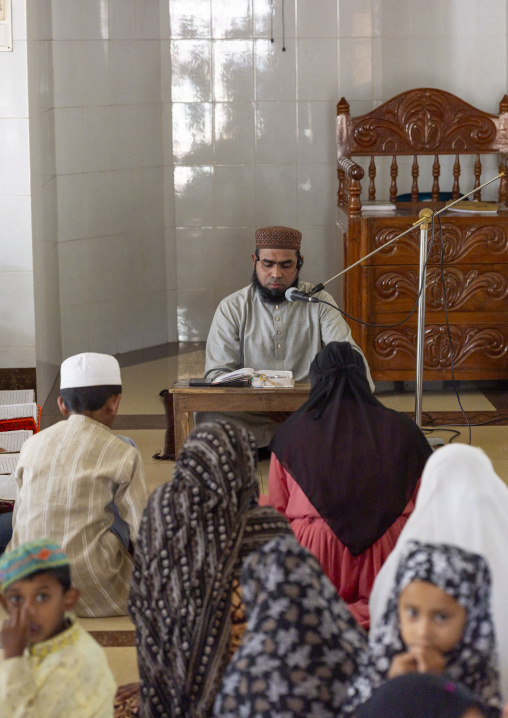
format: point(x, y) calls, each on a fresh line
point(43, 195)
point(253, 127)
point(455, 45)
point(110, 174)
point(253, 141)
point(17, 323)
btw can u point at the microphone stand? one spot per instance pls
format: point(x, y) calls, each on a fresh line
point(426, 216)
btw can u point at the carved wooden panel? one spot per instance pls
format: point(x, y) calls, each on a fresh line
point(476, 347)
point(424, 121)
point(470, 242)
point(468, 288)
point(475, 263)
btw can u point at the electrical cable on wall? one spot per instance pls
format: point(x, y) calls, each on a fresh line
point(272, 12)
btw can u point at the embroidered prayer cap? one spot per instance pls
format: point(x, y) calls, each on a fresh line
point(90, 369)
point(40, 555)
point(278, 238)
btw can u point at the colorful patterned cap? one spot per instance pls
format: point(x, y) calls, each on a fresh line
point(278, 238)
point(40, 555)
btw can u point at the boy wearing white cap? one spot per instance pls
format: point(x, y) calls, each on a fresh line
point(73, 474)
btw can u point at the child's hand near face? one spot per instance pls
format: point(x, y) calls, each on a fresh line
point(418, 659)
point(15, 632)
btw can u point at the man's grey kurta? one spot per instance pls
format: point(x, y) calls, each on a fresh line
point(247, 332)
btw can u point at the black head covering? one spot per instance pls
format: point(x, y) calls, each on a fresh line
point(420, 695)
point(357, 462)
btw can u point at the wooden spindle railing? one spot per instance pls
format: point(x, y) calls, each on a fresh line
point(456, 175)
point(372, 178)
point(477, 175)
point(436, 171)
point(503, 182)
point(415, 171)
point(394, 171)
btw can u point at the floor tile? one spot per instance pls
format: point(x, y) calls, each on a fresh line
point(110, 623)
point(493, 440)
point(263, 468)
point(142, 383)
point(123, 663)
point(445, 400)
point(149, 441)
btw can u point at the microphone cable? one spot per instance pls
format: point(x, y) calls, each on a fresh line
point(447, 323)
point(403, 321)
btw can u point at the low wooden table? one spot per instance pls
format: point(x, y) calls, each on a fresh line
point(187, 400)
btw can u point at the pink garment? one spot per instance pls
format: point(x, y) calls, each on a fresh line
point(352, 576)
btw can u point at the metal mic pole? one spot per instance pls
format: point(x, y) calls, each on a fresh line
point(426, 216)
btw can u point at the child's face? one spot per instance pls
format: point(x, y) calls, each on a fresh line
point(43, 601)
point(430, 617)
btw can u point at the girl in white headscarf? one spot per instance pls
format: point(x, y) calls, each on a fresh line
point(462, 502)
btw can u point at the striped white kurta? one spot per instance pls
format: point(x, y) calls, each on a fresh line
point(68, 475)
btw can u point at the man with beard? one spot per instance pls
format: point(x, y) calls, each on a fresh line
point(257, 327)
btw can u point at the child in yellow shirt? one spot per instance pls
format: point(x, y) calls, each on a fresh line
point(52, 666)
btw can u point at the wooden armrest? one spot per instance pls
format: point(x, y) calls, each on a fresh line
point(350, 168)
point(349, 174)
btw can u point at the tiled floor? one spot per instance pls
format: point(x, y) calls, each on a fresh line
point(141, 416)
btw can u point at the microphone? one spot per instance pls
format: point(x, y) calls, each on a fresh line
point(293, 295)
point(318, 288)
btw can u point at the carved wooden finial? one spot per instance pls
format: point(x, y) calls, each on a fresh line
point(503, 105)
point(343, 107)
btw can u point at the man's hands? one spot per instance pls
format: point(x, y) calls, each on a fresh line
point(418, 659)
point(14, 631)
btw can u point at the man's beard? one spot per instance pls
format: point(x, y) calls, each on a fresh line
point(271, 296)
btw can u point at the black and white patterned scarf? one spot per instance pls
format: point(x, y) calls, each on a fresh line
point(473, 662)
point(299, 652)
point(195, 532)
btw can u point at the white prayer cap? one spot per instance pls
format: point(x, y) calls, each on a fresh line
point(89, 369)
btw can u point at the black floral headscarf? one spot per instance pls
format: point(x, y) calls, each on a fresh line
point(300, 649)
point(466, 577)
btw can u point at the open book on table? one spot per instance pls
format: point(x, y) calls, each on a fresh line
point(474, 206)
point(259, 378)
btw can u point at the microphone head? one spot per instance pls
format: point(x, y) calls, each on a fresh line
point(289, 293)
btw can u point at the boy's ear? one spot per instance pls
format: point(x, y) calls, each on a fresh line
point(63, 409)
point(71, 598)
point(112, 404)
